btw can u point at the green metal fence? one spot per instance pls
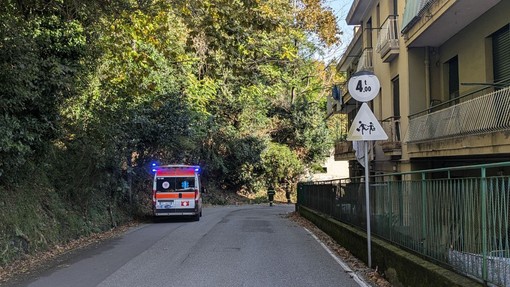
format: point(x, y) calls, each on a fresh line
point(457, 217)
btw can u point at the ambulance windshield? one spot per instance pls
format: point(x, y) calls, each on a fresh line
point(174, 183)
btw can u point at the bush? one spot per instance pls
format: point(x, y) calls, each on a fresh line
point(281, 166)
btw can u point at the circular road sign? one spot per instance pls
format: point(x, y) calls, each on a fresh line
point(364, 86)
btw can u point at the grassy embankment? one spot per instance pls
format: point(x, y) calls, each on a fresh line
point(34, 217)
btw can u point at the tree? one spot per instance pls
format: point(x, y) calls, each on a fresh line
point(191, 81)
point(316, 18)
point(254, 61)
point(40, 67)
point(281, 165)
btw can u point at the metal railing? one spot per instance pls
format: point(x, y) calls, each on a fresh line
point(488, 113)
point(366, 61)
point(391, 126)
point(343, 146)
point(388, 36)
point(457, 217)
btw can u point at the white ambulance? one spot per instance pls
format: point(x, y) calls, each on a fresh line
point(176, 191)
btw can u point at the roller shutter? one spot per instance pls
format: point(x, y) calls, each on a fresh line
point(501, 56)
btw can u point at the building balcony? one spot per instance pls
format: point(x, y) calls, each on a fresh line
point(333, 103)
point(344, 150)
point(359, 10)
point(348, 65)
point(433, 22)
point(387, 45)
point(393, 145)
point(366, 62)
point(350, 58)
point(480, 125)
point(340, 101)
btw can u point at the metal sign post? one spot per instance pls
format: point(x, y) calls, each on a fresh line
point(364, 86)
point(367, 202)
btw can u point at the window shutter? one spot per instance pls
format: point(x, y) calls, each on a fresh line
point(501, 56)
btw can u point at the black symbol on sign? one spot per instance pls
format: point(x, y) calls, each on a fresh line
point(364, 127)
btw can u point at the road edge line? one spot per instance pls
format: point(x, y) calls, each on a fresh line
point(344, 265)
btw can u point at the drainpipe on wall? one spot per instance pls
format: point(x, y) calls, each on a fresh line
point(427, 77)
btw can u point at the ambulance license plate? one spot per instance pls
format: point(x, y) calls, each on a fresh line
point(166, 204)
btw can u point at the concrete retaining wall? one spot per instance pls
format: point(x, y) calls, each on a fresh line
point(400, 267)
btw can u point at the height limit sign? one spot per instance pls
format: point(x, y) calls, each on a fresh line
point(364, 86)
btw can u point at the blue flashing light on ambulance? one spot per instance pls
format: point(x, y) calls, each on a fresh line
point(176, 191)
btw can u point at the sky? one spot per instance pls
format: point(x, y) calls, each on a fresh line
point(340, 9)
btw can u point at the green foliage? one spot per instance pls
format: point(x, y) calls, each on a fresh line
point(34, 217)
point(281, 165)
point(338, 125)
point(39, 66)
point(93, 91)
point(20, 126)
point(311, 132)
point(314, 17)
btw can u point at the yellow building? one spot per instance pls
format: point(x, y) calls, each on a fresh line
point(444, 70)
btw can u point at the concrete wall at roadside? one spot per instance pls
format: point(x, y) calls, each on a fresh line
point(400, 267)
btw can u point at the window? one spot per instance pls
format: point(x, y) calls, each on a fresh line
point(174, 183)
point(395, 87)
point(501, 56)
point(368, 31)
point(378, 15)
point(453, 80)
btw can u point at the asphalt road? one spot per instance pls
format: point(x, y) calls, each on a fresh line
point(253, 245)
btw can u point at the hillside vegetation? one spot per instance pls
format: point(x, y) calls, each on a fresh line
point(92, 92)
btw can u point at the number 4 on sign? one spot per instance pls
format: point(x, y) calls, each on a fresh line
point(366, 127)
point(364, 86)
